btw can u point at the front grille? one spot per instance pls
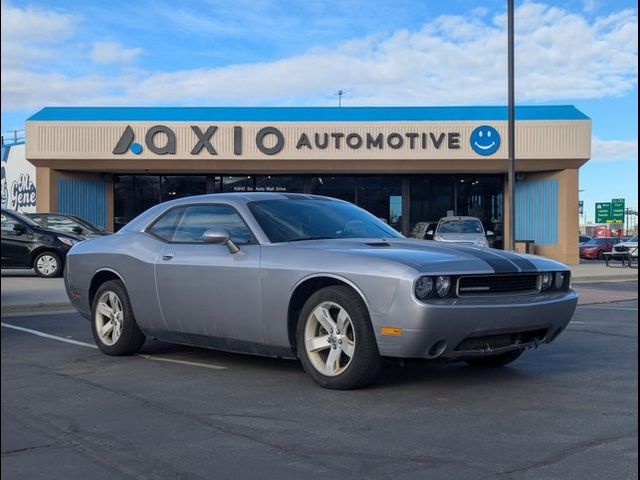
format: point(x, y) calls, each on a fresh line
point(497, 284)
point(492, 342)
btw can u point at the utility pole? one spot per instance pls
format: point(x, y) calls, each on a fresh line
point(340, 93)
point(511, 176)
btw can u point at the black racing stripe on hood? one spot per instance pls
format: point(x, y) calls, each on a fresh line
point(499, 264)
point(524, 264)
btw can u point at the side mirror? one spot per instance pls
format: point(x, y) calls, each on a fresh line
point(220, 236)
point(490, 233)
point(77, 230)
point(430, 232)
point(19, 228)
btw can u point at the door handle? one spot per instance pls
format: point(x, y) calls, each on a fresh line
point(168, 256)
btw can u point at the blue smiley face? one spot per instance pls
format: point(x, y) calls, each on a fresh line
point(485, 140)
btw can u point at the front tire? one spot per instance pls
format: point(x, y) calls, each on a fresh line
point(114, 327)
point(336, 344)
point(47, 265)
point(494, 361)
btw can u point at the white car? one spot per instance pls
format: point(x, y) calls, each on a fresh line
point(630, 247)
point(461, 231)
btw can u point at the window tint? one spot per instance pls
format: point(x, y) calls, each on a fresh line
point(8, 223)
point(166, 225)
point(62, 224)
point(187, 224)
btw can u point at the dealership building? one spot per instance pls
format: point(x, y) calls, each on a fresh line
point(409, 166)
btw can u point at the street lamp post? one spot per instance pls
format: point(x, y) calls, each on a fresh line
point(511, 176)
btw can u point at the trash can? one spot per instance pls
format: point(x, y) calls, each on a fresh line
point(524, 246)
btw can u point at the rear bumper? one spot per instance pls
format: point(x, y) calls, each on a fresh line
point(486, 326)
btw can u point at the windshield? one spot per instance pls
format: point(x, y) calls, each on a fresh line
point(460, 226)
point(23, 218)
point(295, 220)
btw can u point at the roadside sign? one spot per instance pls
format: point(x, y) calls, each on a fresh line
point(617, 210)
point(603, 212)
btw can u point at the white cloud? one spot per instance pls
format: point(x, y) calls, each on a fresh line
point(113, 52)
point(450, 60)
point(613, 150)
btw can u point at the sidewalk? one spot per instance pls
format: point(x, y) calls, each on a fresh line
point(23, 291)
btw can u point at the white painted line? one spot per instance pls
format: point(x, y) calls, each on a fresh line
point(46, 335)
point(624, 309)
point(182, 362)
point(91, 345)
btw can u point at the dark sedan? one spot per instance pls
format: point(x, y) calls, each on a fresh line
point(25, 244)
point(597, 247)
point(62, 222)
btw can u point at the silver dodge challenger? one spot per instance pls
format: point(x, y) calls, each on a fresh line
point(313, 278)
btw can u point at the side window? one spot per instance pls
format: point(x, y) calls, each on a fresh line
point(199, 218)
point(39, 219)
point(8, 223)
point(165, 226)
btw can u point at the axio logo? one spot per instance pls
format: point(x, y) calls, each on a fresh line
point(485, 140)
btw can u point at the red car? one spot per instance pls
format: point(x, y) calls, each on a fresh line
point(596, 247)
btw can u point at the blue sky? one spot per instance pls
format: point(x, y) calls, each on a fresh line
point(269, 52)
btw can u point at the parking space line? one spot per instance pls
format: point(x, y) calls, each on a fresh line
point(90, 345)
point(46, 335)
point(601, 307)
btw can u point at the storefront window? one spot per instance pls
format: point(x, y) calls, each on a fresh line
point(133, 194)
point(342, 187)
point(240, 183)
point(178, 186)
point(279, 183)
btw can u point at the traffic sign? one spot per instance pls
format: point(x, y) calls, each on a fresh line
point(617, 210)
point(603, 212)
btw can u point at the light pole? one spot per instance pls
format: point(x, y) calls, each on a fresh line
point(511, 176)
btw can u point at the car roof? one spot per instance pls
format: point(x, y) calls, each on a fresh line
point(459, 218)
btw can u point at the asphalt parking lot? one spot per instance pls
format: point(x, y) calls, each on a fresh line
point(567, 410)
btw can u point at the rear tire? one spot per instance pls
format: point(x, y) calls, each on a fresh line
point(336, 344)
point(114, 327)
point(494, 361)
point(47, 265)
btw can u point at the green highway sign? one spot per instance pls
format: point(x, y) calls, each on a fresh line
point(617, 210)
point(603, 212)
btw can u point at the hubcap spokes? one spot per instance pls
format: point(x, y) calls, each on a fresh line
point(47, 264)
point(109, 318)
point(329, 339)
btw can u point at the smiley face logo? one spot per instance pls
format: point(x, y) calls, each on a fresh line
point(485, 140)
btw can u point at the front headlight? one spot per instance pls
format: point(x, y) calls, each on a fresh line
point(546, 280)
point(424, 287)
point(69, 242)
point(443, 285)
point(481, 242)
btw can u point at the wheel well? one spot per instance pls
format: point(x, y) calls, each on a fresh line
point(98, 279)
point(300, 296)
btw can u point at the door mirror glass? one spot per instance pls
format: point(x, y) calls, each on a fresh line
point(490, 233)
point(430, 232)
point(77, 230)
point(19, 228)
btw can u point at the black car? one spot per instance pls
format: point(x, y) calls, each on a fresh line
point(25, 244)
point(62, 222)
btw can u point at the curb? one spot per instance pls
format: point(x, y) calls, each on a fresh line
point(605, 278)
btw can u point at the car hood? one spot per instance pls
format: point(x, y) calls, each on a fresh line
point(428, 256)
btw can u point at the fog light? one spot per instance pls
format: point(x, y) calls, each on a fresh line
point(424, 287)
point(443, 285)
point(546, 279)
point(558, 283)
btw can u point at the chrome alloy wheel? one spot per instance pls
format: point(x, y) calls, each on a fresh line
point(47, 265)
point(108, 318)
point(329, 339)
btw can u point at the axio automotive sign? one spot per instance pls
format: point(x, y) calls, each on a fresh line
point(18, 180)
point(270, 140)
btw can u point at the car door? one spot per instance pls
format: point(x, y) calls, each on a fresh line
point(203, 288)
point(17, 242)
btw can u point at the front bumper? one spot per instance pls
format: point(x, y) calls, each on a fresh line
point(461, 328)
